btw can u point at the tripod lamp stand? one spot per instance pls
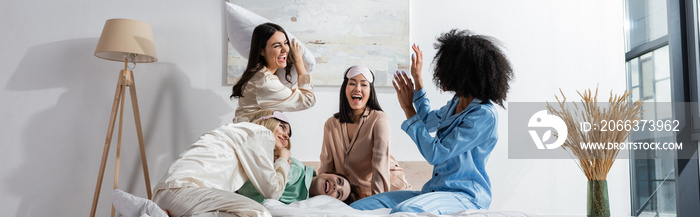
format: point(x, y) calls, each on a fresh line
point(125, 41)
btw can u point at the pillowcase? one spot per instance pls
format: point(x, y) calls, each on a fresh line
point(240, 24)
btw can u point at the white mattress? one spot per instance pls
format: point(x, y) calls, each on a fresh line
point(130, 205)
point(328, 206)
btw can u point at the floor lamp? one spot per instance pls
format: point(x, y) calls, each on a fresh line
point(125, 41)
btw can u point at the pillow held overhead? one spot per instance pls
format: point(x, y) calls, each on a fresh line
point(239, 27)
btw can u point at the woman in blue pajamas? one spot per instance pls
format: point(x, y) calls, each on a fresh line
point(478, 72)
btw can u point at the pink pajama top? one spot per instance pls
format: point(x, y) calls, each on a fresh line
point(366, 158)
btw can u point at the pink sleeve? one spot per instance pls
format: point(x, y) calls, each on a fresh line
point(326, 148)
point(381, 156)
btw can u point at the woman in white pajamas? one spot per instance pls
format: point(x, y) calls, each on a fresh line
point(259, 88)
point(206, 176)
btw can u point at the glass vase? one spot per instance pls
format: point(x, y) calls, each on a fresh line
point(598, 204)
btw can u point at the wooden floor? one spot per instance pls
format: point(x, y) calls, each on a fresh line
point(417, 172)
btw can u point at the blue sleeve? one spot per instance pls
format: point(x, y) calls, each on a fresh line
point(473, 130)
point(429, 117)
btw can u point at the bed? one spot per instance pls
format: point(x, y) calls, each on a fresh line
point(323, 205)
point(417, 173)
point(131, 206)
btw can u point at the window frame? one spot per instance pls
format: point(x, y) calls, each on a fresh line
point(683, 40)
point(683, 51)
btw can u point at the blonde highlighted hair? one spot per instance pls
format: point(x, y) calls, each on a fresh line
point(270, 123)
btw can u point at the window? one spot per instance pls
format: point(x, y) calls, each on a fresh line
point(661, 53)
point(697, 48)
point(647, 21)
point(648, 72)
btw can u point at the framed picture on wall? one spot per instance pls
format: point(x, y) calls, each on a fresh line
point(339, 34)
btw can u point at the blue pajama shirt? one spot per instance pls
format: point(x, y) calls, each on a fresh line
point(458, 153)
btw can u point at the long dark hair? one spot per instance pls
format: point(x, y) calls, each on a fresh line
point(473, 65)
point(345, 112)
point(256, 62)
point(354, 193)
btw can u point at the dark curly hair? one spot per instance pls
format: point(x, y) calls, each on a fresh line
point(472, 65)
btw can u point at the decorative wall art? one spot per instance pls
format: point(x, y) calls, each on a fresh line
point(339, 34)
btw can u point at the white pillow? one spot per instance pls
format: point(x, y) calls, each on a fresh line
point(239, 26)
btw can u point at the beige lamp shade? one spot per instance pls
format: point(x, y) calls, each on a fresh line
point(124, 38)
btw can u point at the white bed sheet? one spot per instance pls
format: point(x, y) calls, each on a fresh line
point(132, 206)
point(328, 206)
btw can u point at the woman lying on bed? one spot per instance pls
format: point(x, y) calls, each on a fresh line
point(205, 177)
point(304, 183)
point(477, 71)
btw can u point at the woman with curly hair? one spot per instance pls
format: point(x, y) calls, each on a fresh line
point(478, 72)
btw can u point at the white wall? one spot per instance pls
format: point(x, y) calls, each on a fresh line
point(56, 96)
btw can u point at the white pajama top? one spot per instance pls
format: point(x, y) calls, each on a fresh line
point(225, 158)
point(264, 91)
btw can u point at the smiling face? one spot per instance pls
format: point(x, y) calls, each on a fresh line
point(330, 184)
point(282, 136)
point(275, 52)
point(357, 92)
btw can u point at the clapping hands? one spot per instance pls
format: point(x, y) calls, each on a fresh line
point(404, 85)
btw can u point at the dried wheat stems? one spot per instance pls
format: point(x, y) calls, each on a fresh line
point(595, 163)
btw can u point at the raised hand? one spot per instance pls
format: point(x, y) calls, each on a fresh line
point(298, 51)
point(417, 66)
point(404, 91)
